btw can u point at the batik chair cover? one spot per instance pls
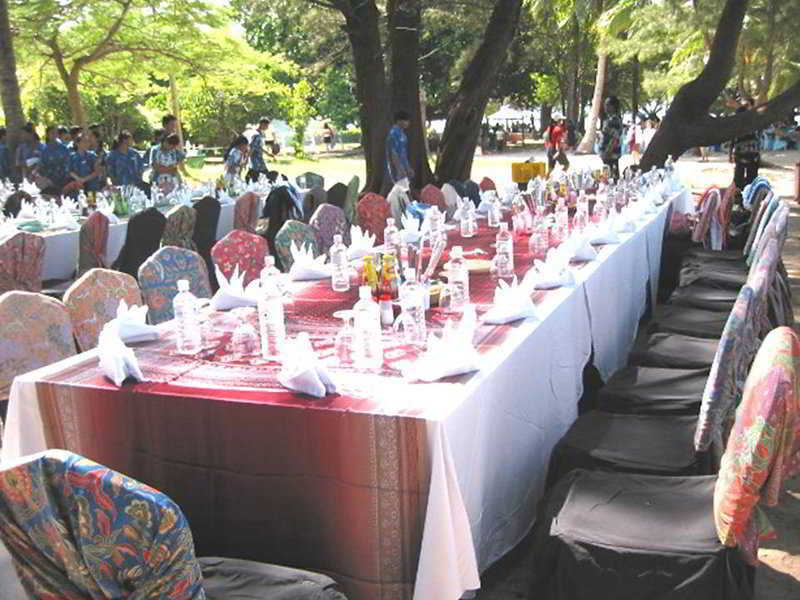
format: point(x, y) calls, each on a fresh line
point(78, 530)
point(473, 191)
point(245, 213)
point(243, 250)
point(36, 331)
point(314, 198)
point(299, 233)
point(451, 198)
point(487, 184)
point(757, 214)
point(764, 446)
point(329, 220)
point(432, 195)
point(351, 201)
point(179, 229)
point(93, 243)
point(773, 204)
point(159, 276)
point(93, 299)
point(309, 180)
point(21, 262)
point(708, 207)
point(337, 195)
point(373, 210)
point(142, 238)
point(398, 202)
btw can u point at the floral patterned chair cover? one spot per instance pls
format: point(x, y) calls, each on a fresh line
point(21, 262)
point(771, 209)
point(708, 207)
point(764, 446)
point(337, 194)
point(351, 200)
point(93, 299)
point(487, 184)
point(93, 243)
point(293, 231)
point(373, 210)
point(36, 331)
point(159, 275)
point(245, 213)
point(759, 209)
point(309, 180)
point(179, 230)
point(314, 198)
point(243, 249)
point(78, 530)
point(327, 221)
point(432, 195)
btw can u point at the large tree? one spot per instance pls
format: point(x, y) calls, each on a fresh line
point(12, 102)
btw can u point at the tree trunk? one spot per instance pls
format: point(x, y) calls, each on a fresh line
point(362, 21)
point(586, 145)
point(76, 109)
point(636, 86)
point(546, 116)
point(176, 107)
point(464, 119)
point(573, 80)
point(9, 90)
point(766, 80)
point(405, 18)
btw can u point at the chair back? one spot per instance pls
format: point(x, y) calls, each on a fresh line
point(310, 180)
point(78, 530)
point(337, 195)
point(756, 215)
point(179, 228)
point(36, 331)
point(300, 234)
point(92, 302)
point(763, 449)
point(451, 199)
point(314, 198)
point(373, 210)
point(159, 276)
point(142, 238)
point(432, 195)
point(398, 202)
point(93, 240)
point(754, 192)
point(279, 208)
point(473, 192)
point(487, 184)
point(773, 203)
point(458, 186)
point(329, 220)
point(721, 219)
point(245, 212)
point(351, 201)
point(708, 208)
point(243, 249)
point(205, 231)
point(21, 262)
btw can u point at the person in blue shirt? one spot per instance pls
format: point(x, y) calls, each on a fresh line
point(147, 160)
point(83, 167)
point(5, 156)
point(257, 151)
point(168, 164)
point(53, 164)
point(397, 163)
point(124, 165)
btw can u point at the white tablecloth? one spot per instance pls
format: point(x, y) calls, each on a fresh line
point(491, 437)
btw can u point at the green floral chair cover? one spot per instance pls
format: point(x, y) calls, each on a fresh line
point(179, 230)
point(293, 231)
point(159, 275)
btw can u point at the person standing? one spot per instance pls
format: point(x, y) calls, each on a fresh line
point(257, 150)
point(54, 163)
point(745, 153)
point(556, 133)
point(167, 163)
point(124, 163)
point(5, 157)
point(235, 159)
point(328, 135)
point(398, 166)
point(611, 146)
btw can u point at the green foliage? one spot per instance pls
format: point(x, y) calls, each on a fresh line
point(546, 89)
point(300, 113)
point(335, 100)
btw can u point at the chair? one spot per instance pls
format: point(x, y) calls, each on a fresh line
point(337, 195)
point(142, 238)
point(433, 196)
point(92, 302)
point(309, 180)
point(36, 331)
point(279, 209)
point(242, 249)
point(93, 243)
point(159, 275)
point(451, 199)
point(13, 204)
point(80, 530)
point(487, 184)
point(314, 198)
point(293, 231)
point(179, 229)
point(329, 220)
point(618, 535)
point(245, 213)
point(21, 262)
point(473, 192)
point(351, 200)
point(398, 200)
point(373, 210)
point(205, 231)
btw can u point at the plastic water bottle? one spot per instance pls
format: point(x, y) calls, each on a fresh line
point(459, 279)
point(467, 209)
point(581, 219)
point(493, 216)
point(368, 346)
point(412, 303)
point(391, 236)
point(271, 321)
point(504, 251)
point(340, 277)
point(187, 323)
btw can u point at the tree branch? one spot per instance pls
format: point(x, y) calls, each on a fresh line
point(97, 53)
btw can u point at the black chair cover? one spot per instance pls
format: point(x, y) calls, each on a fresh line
point(723, 274)
point(634, 537)
point(141, 240)
point(673, 351)
point(686, 320)
point(708, 295)
point(235, 579)
point(651, 390)
point(311, 201)
point(473, 192)
point(337, 195)
point(205, 232)
point(459, 187)
point(13, 203)
point(278, 210)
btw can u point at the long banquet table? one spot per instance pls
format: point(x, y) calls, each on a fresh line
point(396, 489)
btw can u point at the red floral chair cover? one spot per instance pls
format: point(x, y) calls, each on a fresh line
point(21, 262)
point(294, 231)
point(93, 243)
point(708, 207)
point(77, 530)
point(373, 210)
point(93, 299)
point(764, 447)
point(179, 229)
point(487, 184)
point(245, 213)
point(36, 331)
point(432, 195)
point(329, 220)
point(243, 249)
point(159, 275)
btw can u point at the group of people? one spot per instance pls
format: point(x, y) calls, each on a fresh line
point(73, 158)
point(251, 154)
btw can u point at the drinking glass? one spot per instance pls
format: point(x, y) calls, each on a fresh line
point(345, 337)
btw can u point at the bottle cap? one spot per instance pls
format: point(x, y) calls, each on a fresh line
point(337, 238)
point(389, 221)
point(365, 292)
point(183, 285)
point(269, 260)
point(457, 252)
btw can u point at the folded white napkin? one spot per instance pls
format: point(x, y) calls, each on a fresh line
point(511, 303)
point(602, 233)
point(553, 272)
point(412, 228)
point(451, 354)
point(302, 371)
point(510, 192)
point(361, 243)
point(577, 246)
point(232, 292)
point(131, 326)
point(108, 210)
point(29, 187)
point(306, 266)
point(486, 198)
point(27, 212)
point(63, 219)
point(117, 361)
point(623, 223)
